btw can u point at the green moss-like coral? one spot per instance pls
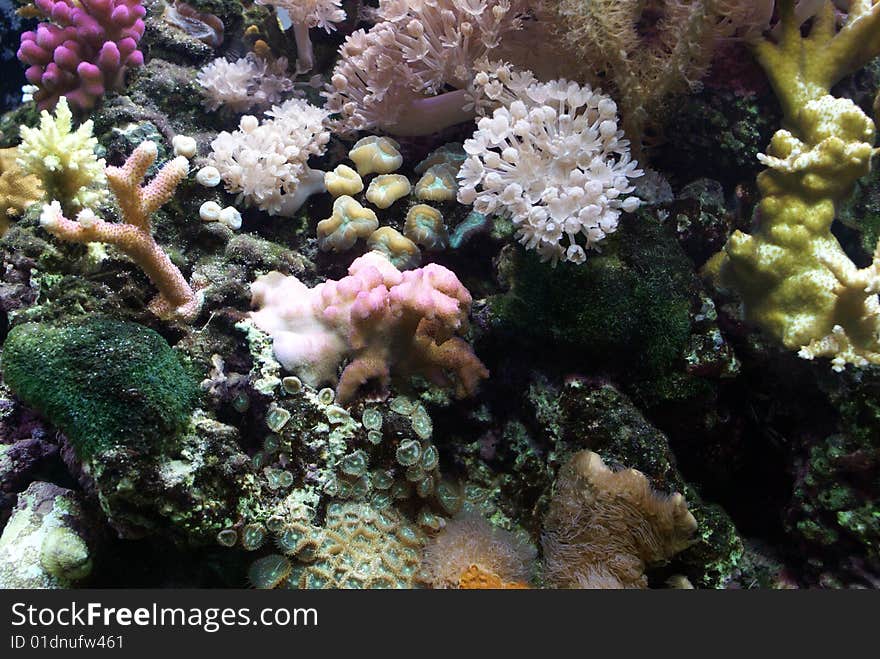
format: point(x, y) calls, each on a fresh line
point(636, 294)
point(101, 381)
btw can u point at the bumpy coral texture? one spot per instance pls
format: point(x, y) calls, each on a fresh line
point(248, 82)
point(17, 189)
point(84, 51)
point(557, 164)
point(133, 235)
point(360, 547)
point(266, 163)
point(396, 76)
point(795, 279)
point(64, 159)
point(471, 553)
point(305, 14)
point(604, 527)
point(384, 322)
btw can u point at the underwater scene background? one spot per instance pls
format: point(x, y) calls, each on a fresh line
point(439, 294)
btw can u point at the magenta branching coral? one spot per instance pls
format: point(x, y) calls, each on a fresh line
point(84, 51)
point(386, 322)
point(395, 76)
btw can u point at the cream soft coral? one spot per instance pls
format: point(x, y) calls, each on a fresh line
point(395, 77)
point(386, 322)
point(604, 527)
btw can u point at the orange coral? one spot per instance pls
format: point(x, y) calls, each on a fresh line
point(133, 235)
point(476, 579)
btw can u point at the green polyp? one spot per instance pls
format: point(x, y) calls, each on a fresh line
point(408, 452)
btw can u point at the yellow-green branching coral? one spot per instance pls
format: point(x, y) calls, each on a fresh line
point(795, 280)
point(64, 159)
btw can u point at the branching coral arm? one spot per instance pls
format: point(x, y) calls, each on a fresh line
point(802, 69)
point(133, 235)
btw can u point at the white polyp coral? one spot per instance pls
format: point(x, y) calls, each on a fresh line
point(247, 83)
point(408, 74)
point(554, 161)
point(266, 163)
point(306, 14)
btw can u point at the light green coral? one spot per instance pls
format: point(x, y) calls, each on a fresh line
point(64, 159)
point(795, 280)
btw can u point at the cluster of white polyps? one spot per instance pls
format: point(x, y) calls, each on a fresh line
point(556, 163)
point(267, 163)
point(249, 82)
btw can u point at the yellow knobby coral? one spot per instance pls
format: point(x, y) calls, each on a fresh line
point(17, 189)
point(64, 159)
point(795, 280)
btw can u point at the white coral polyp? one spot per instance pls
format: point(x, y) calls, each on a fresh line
point(246, 83)
point(266, 163)
point(555, 161)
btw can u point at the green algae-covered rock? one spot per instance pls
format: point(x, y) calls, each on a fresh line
point(103, 382)
point(626, 307)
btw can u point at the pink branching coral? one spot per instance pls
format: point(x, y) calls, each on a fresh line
point(395, 76)
point(133, 236)
point(84, 51)
point(306, 14)
point(386, 322)
point(604, 527)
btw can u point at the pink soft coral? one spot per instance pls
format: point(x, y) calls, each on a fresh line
point(379, 318)
point(84, 51)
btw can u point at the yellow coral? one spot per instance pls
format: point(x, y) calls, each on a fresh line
point(795, 280)
point(64, 159)
point(17, 189)
point(349, 223)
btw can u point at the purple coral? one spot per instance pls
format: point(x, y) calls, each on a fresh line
point(84, 50)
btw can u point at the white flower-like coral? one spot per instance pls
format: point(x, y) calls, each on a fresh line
point(246, 83)
point(306, 14)
point(266, 163)
point(555, 162)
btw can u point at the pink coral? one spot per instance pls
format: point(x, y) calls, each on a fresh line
point(379, 318)
point(84, 51)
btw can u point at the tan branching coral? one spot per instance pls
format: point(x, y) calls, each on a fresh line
point(133, 236)
point(18, 190)
point(604, 527)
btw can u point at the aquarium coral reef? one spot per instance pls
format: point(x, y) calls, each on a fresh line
point(440, 294)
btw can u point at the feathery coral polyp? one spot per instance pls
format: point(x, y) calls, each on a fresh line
point(133, 235)
point(84, 51)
